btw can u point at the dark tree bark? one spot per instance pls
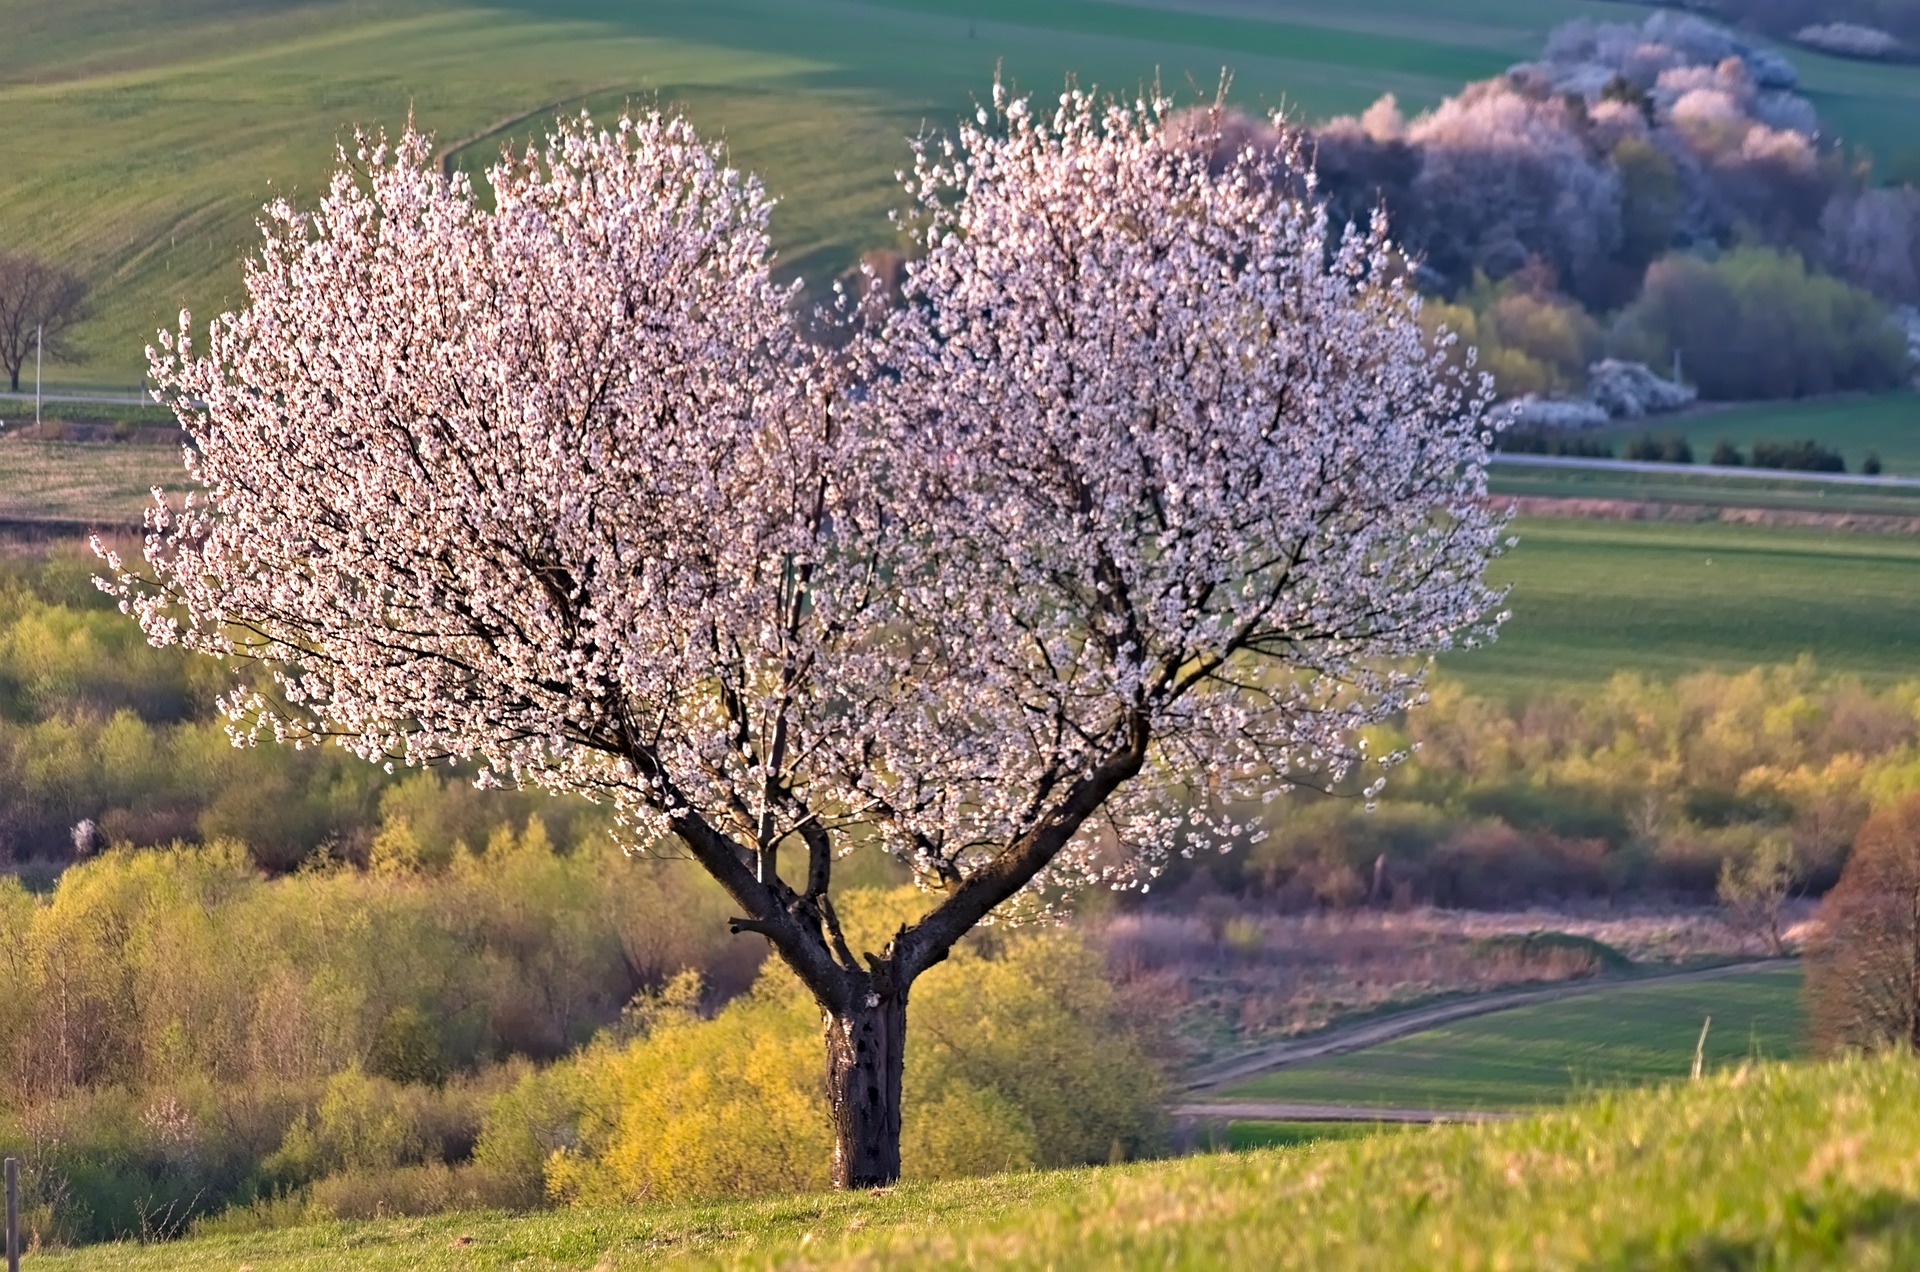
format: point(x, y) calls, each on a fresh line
point(866, 1006)
point(866, 1062)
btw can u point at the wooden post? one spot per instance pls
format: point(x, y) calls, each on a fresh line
point(13, 1214)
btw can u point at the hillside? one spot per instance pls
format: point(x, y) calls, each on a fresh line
point(142, 139)
point(1777, 1167)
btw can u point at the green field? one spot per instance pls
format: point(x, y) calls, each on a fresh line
point(1888, 426)
point(1636, 1035)
point(141, 138)
point(1780, 1167)
point(1593, 597)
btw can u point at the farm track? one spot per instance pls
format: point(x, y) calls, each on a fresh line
point(1344, 1040)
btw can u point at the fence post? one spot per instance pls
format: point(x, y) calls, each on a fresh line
point(13, 1214)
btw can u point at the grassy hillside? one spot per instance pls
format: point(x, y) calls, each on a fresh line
point(1593, 597)
point(1636, 1035)
point(141, 138)
point(1776, 1167)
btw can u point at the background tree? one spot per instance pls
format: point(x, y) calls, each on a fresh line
point(1156, 491)
point(1756, 886)
point(1863, 970)
point(39, 302)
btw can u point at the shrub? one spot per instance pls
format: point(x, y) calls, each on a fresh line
point(1805, 455)
point(1758, 324)
point(1672, 449)
point(1849, 39)
point(1052, 1073)
point(1863, 968)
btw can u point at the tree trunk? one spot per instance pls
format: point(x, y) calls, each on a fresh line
point(866, 1053)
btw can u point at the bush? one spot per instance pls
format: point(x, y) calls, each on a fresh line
point(1538, 441)
point(1529, 340)
point(1863, 968)
point(1053, 1074)
point(1672, 449)
point(1849, 39)
point(1805, 455)
point(1757, 324)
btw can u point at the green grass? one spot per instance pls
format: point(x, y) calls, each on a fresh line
point(141, 138)
point(1888, 425)
point(1778, 1167)
point(1635, 1035)
point(1591, 598)
point(1245, 1134)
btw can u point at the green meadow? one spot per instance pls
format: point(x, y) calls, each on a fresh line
point(1635, 1035)
point(141, 139)
point(1774, 1166)
point(1590, 598)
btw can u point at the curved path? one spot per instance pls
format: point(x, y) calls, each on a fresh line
point(1341, 1040)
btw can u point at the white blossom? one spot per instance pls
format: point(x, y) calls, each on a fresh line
point(1149, 498)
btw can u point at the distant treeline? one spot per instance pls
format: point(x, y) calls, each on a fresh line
point(1638, 789)
point(1657, 192)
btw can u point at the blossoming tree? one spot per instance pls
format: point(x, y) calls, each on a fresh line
point(1140, 507)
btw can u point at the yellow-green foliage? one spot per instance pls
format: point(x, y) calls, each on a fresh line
point(1529, 342)
point(178, 1029)
point(1638, 785)
point(144, 965)
point(1017, 1056)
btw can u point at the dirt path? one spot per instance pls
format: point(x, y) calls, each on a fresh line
point(1339, 1041)
point(1289, 1111)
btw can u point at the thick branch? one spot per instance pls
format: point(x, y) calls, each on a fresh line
point(928, 941)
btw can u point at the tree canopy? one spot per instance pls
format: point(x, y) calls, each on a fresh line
point(1149, 496)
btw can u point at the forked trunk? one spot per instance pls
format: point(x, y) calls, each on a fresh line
point(866, 1053)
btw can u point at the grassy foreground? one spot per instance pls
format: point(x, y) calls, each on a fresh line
point(1783, 1167)
point(1634, 1035)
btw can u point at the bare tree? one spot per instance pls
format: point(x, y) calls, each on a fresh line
point(1153, 496)
point(1863, 970)
point(40, 304)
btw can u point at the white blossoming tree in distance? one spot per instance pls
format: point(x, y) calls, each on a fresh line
point(1143, 503)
